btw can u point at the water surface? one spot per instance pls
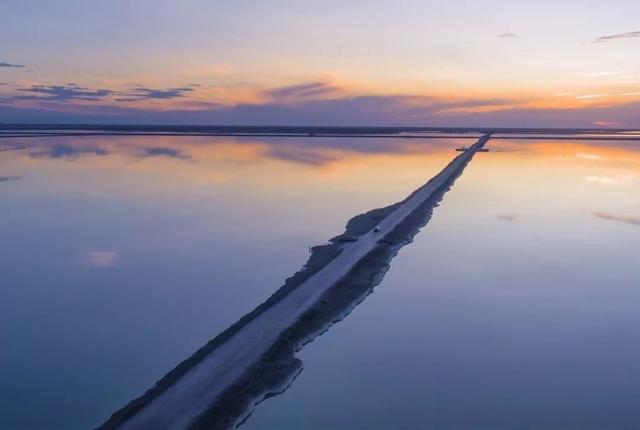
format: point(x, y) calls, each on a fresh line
point(517, 307)
point(120, 256)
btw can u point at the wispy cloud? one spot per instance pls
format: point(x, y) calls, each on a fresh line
point(303, 91)
point(470, 105)
point(630, 94)
point(9, 178)
point(609, 180)
point(609, 38)
point(633, 220)
point(11, 66)
point(606, 73)
point(312, 103)
point(507, 36)
point(62, 93)
point(590, 157)
point(72, 91)
point(591, 96)
point(143, 93)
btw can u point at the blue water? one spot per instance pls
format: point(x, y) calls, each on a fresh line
point(119, 257)
point(517, 307)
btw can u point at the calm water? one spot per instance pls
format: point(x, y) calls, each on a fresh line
point(516, 307)
point(121, 256)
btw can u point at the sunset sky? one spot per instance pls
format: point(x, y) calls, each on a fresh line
point(411, 62)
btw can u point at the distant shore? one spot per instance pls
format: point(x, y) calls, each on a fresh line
point(87, 130)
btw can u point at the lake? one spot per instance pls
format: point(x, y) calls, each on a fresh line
point(515, 307)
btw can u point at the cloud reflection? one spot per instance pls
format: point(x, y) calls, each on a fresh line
point(67, 151)
point(101, 259)
point(164, 152)
point(507, 217)
point(303, 151)
point(305, 156)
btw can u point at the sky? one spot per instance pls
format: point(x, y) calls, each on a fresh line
point(358, 62)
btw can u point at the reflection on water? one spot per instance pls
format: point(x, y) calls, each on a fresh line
point(517, 307)
point(121, 256)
